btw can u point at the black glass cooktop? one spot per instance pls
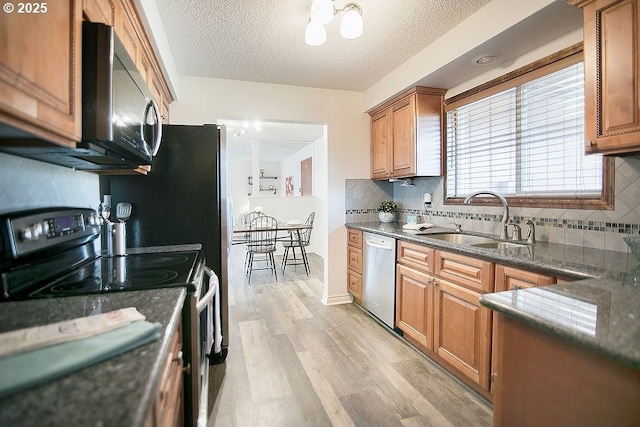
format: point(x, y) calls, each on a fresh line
point(131, 272)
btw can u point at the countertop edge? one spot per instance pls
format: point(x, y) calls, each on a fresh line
point(557, 330)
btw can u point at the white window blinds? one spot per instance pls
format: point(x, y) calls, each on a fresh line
point(525, 141)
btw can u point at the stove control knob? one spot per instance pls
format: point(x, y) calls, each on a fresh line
point(33, 232)
point(26, 234)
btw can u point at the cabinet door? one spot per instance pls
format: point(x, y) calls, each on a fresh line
point(414, 306)
point(462, 331)
point(381, 148)
point(509, 278)
point(612, 76)
point(125, 27)
point(40, 61)
point(98, 11)
point(403, 135)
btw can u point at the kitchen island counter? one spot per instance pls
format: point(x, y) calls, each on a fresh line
point(117, 392)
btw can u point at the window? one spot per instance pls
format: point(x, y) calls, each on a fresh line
point(524, 138)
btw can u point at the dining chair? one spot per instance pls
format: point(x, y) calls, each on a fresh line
point(262, 241)
point(244, 220)
point(300, 239)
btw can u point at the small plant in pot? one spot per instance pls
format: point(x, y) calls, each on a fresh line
point(387, 211)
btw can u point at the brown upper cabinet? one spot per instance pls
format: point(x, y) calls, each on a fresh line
point(612, 75)
point(40, 66)
point(129, 29)
point(40, 69)
point(101, 11)
point(407, 134)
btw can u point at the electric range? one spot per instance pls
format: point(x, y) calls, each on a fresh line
point(52, 252)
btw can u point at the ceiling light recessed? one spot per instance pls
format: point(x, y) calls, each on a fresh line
point(486, 60)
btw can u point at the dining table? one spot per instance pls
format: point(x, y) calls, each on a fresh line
point(240, 234)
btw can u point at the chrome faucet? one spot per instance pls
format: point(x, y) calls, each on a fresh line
point(504, 228)
point(531, 236)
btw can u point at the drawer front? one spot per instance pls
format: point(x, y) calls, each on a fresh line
point(509, 278)
point(416, 256)
point(354, 238)
point(354, 284)
point(354, 259)
point(466, 271)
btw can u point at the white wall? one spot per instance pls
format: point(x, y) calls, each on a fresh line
point(346, 149)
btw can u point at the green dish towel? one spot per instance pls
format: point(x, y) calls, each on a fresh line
point(21, 371)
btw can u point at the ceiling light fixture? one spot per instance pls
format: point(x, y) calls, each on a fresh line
point(322, 12)
point(486, 60)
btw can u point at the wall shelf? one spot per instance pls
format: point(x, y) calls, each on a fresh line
point(269, 188)
point(250, 178)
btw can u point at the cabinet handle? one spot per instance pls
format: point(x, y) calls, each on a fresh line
point(178, 357)
point(493, 376)
point(588, 144)
point(187, 368)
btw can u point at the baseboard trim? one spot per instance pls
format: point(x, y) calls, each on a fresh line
point(337, 299)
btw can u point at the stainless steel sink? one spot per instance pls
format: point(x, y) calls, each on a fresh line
point(498, 245)
point(460, 238)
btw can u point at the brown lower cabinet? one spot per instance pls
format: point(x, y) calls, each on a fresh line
point(543, 380)
point(443, 317)
point(462, 331)
point(168, 405)
point(438, 308)
point(354, 264)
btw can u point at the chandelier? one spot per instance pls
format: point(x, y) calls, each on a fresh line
point(322, 12)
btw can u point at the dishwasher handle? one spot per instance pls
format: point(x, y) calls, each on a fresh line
point(378, 245)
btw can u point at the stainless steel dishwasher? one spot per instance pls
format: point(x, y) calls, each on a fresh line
point(379, 284)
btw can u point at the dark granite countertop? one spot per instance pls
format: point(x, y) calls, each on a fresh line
point(116, 392)
point(599, 309)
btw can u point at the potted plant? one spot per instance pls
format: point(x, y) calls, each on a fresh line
point(387, 211)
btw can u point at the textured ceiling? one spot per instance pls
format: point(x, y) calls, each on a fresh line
point(263, 40)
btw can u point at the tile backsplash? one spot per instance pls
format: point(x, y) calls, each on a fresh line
point(589, 228)
point(26, 183)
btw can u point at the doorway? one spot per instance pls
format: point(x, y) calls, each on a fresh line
point(306, 177)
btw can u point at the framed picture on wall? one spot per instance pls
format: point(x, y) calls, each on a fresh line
point(288, 185)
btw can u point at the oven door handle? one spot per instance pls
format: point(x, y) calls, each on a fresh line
point(213, 288)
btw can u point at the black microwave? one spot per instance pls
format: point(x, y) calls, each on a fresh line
point(119, 115)
point(121, 124)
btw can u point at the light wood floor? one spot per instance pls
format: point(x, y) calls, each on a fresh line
point(295, 362)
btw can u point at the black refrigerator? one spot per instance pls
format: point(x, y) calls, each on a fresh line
point(183, 200)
